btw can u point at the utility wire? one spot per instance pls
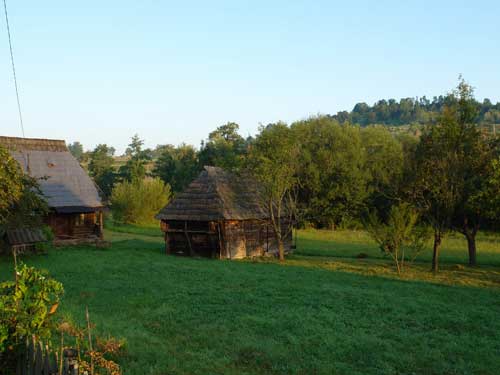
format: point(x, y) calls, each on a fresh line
point(13, 67)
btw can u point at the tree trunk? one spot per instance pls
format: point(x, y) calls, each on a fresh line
point(435, 251)
point(281, 250)
point(471, 244)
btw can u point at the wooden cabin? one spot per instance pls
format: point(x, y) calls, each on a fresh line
point(218, 215)
point(74, 202)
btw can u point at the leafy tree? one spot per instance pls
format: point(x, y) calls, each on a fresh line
point(137, 202)
point(101, 168)
point(11, 183)
point(224, 148)
point(177, 166)
point(30, 208)
point(135, 168)
point(332, 171)
point(273, 163)
point(449, 162)
point(384, 157)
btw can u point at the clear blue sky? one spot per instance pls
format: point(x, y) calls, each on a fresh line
point(100, 71)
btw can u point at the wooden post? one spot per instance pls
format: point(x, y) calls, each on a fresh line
point(187, 238)
point(101, 225)
point(167, 246)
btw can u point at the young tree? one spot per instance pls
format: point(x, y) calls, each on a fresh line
point(177, 166)
point(101, 168)
point(273, 164)
point(398, 233)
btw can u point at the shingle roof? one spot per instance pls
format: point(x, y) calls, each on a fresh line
point(67, 186)
point(25, 236)
point(215, 195)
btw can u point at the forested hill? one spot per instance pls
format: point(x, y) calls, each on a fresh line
point(411, 111)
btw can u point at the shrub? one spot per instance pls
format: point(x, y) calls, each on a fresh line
point(398, 234)
point(26, 309)
point(138, 202)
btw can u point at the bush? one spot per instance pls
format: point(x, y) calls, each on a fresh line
point(138, 202)
point(27, 306)
point(398, 236)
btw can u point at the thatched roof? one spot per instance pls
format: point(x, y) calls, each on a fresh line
point(215, 195)
point(64, 183)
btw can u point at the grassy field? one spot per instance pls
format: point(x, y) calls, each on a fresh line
point(323, 312)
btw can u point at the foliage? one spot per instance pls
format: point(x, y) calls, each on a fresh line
point(177, 166)
point(31, 207)
point(344, 168)
point(135, 168)
point(224, 148)
point(76, 150)
point(273, 163)
point(410, 111)
point(399, 236)
point(101, 168)
point(139, 201)
point(26, 307)
point(11, 186)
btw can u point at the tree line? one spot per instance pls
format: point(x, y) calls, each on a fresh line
point(333, 174)
point(412, 111)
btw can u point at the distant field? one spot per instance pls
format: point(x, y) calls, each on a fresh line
point(323, 312)
point(351, 243)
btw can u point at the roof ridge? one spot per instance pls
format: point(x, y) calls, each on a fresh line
point(36, 144)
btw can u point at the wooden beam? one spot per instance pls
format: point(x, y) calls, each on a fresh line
point(101, 225)
point(187, 238)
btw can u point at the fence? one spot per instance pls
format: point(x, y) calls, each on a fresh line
point(39, 359)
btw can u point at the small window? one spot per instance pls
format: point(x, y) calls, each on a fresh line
point(80, 220)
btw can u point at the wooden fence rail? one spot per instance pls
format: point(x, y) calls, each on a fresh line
point(39, 359)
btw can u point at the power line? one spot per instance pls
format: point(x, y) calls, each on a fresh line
point(13, 67)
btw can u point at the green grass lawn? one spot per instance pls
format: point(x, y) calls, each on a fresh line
point(324, 312)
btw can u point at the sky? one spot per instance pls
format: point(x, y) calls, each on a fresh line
point(172, 71)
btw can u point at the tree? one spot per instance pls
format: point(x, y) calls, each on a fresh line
point(473, 169)
point(384, 157)
point(224, 148)
point(273, 164)
point(398, 234)
point(332, 170)
point(76, 150)
point(30, 208)
point(447, 159)
point(11, 183)
point(21, 200)
point(101, 168)
point(135, 168)
point(177, 166)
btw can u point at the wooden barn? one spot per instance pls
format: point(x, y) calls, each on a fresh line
point(218, 216)
point(75, 206)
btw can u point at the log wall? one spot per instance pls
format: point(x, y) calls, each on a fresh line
point(231, 239)
point(67, 226)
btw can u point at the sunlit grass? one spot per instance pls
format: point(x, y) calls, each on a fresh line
point(329, 313)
